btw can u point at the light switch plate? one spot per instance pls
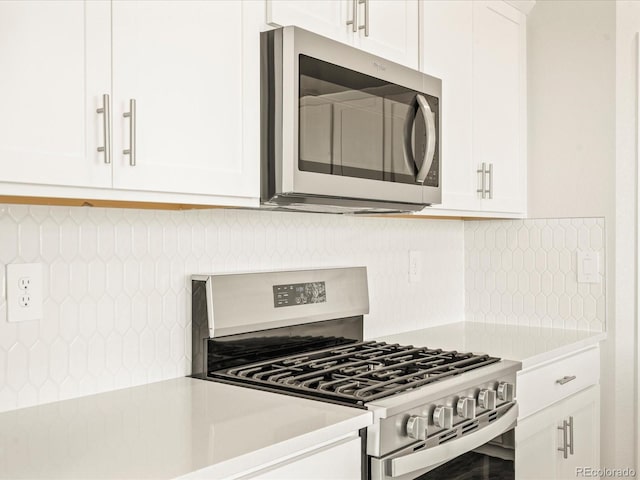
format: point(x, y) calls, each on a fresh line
point(24, 292)
point(588, 267)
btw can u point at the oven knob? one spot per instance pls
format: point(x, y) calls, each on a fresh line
point(443, 416)
point(417, 427)
point(487, 399)
point(467, 408)
point(505, 391)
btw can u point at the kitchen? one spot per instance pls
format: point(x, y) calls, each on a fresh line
point(117, 299)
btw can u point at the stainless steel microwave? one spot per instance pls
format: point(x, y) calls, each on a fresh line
point(344, 130)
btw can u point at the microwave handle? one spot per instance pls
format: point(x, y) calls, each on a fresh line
point(431, 138)
point(433, 456)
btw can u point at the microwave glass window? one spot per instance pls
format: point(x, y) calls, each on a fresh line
point(355, 125)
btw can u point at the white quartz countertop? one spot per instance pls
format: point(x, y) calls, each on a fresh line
point(529, 345)
point(165, 430)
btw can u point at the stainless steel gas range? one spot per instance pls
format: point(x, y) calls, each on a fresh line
point(438, 414)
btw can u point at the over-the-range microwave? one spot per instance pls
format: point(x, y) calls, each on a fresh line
point(344, 130)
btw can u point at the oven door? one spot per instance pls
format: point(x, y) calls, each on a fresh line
point(488, 453)
point(354, 125)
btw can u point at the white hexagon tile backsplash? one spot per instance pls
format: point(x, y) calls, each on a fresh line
point(116, 289)
point(524, 272)
point(116, 282)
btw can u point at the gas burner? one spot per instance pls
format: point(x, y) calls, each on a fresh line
point(358, 372)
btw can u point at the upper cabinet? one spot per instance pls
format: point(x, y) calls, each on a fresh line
point(447, 45)
point(499, 104)
point(478, 48)
point(55, 59)
point(159, 101)
point(182, 64)
point(131, 97)
point(387, 28)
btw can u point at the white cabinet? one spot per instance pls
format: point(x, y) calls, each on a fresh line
point(183, 63)
point(573, 425)
point(558, 429)
point(338, 461)
point(387, 28)
point(393, 30)
point(55, 62)
point(478, 49)
point(446, 53)
point(326, 18)
point(191, 67)
point(499, 103)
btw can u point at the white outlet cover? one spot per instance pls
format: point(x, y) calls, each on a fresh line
point(15, 272)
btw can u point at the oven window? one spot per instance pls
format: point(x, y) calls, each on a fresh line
point(473, 466)
point(355, 125)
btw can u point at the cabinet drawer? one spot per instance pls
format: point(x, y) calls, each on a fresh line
point(539, 387)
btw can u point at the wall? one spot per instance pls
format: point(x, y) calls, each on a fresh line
point(582, 116)
point(116, 284)
point(571, 108)
point(626, 267)
point(523, 272)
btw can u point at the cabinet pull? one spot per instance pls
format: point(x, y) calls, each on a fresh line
point(365, 27)
point(131, 115)
point(565, 379)
point(570, 444)
point(483, 180)
point(565, 444)
point(354, 12)
point(106, 128)
point(490, 191)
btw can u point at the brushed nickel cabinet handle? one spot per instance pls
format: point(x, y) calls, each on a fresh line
point(131, 115)
point(106, 128)
point(483, 180)
point(365, 27)
point(565, 379)
point(571, 435)
point(565, 444)
point(490, 190)
point(354, 12)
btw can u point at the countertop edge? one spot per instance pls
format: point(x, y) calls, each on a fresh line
point(555, 353)
point(252, 462)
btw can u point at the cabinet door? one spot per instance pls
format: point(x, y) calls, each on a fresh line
point(446, 53)
point(393, 30)
point(537, 444)
point(193, 69)
point(539, 438)
point(499, 101)
point(55, 60)
point(584, 408)
point(328, 18)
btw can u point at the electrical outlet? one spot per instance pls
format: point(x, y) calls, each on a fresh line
point(24, 283)
point(24, 292)
point(24, 300)
point(415, 266)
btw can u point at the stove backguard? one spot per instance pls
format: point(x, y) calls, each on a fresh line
point(239, 318)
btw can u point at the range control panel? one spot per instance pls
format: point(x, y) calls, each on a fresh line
point(299, 294)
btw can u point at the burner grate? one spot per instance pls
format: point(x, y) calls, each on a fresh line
point(358, 372)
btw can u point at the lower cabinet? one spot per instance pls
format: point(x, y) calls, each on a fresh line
point(337, 461)
point(561, 441)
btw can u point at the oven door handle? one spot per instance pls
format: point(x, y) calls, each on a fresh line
point(431, 457)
